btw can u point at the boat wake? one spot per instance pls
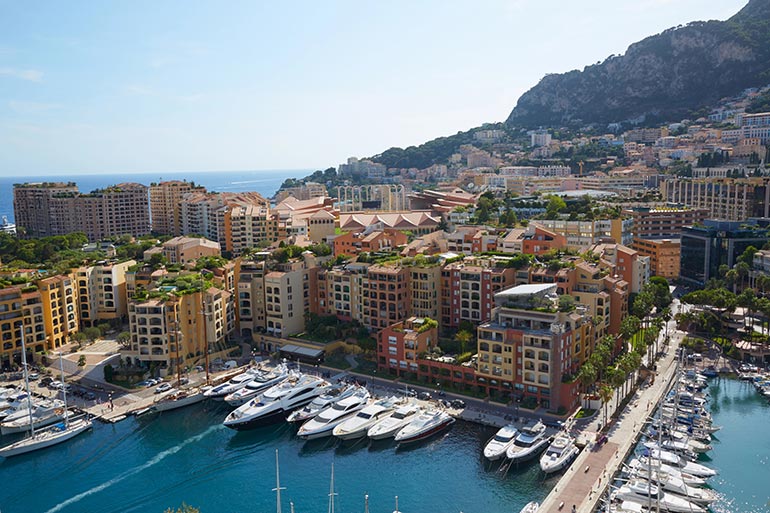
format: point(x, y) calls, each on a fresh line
point(128, 473)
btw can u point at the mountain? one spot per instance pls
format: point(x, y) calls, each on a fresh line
point(665, 77)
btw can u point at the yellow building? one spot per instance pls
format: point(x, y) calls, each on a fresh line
point(664, 255)
point(165, 205)
point(102, 292)
point(58, 297)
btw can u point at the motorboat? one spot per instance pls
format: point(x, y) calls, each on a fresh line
point(53, 435)
point(35, 416)
point(690, 467)
point(179, 398)
point(678, 448)
point(675, 485)
point(333, 415)
point(424, 425)
point(219, 392)
point(12, 404)
point(643, 465)
point(259, 383)
point(559, 454)
point(498, 444)
point(389, 426)
point(277, 401)
point(358, 425)
point(530, 507)
point(332, 395)
point(528, 443)
point(643, 493)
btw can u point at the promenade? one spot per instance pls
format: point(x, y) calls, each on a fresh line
point(589, 475)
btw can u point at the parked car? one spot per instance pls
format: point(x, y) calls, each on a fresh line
point(458, 404)
point(424, 396)
point(33, 376)
point(90, 396)
point(163, 387)
point(47, 380)
point(55, 385)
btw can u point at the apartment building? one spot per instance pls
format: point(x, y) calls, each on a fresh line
point(290, 292)
point(306, 191)
point(469, 240)
point(102, 292)
point(400, 345)
point(183, 250)
point(209, 214)
point(353, 243)
point(58, 296)
point(21, 306)
point(723, 198)
point(425, 290)
point(468, 288)
point(165, 205)
point(660, 222)
point(32, 208)
point(664, 255)
point(341, 292)
point(529, 345)
point(249, 226)
point(251, 297)
point(386, 296)
point(121, 209)
point(581, 235)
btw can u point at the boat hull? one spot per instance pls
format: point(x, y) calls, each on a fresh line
point(426, 434)
point(179, 403)
point(260, 421)
point(42, 442)
point(7, 429)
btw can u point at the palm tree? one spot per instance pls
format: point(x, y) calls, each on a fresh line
point(463, 337)
point(605, 393)
point(587, 376)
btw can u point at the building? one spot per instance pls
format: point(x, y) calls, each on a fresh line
point(400, 345)
point(581, 235)
point(290, 290)
point(539, 138)
point(32, 208)
point(184, 250)
point(723, 198)
point(165, 205)
point(21, 306)
point(704, 249)
point(121, 209)
point(250, 276)
point(305, 191)
point(353, 243)
point(209, 214)
point(381, 198)
point(102, 292)
point(529, 346)
point(468, 288)
point(341, 292)
point(386, 296)
point(425, 290)
point(248, 226)
point(658, 222)
point(664, 255)
point(58, 297)
point(417, 223)
point(537, 240)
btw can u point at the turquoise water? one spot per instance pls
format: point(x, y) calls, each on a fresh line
point(742, 447)
point(149, 464)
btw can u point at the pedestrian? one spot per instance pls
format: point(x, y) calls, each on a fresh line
point(574, 508)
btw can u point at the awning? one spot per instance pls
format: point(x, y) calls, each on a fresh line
point(302, 352)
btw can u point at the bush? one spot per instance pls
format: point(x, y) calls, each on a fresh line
point(109, 372)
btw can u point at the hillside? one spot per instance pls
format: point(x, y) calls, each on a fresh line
point(661, 78)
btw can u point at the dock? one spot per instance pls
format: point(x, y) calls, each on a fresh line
point(590, 474)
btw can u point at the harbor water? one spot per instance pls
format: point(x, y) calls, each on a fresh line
point(151, 463)
point(741, 448)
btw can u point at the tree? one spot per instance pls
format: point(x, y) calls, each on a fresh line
point(605, 393)
point(82, 361)
point(109, 372)
point(124, 338)
point(92, 333)
point(462, 337)
point(629, 327)
point(587, 376)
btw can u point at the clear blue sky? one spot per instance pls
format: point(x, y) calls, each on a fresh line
point(92, 86)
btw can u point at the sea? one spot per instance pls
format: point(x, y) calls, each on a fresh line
point(265, 182)
point(152, 463)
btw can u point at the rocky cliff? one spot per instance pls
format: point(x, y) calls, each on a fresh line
point(663, 77)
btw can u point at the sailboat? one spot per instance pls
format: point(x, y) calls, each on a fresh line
point(53, 435)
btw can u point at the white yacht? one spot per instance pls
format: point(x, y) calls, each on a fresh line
point(644, 493)
point(219, 392)
point(424, 425)
point(358, 425)
point(675, 485)
point(528, 444)
point(37, 416)
point(690, 467)
point(259, 383)
point(642, 465)
point(330, 417)
point(276, 402)
point(389, 426)
point(559, 454)
point(530, 507)
point(179, 398)
point(498, 444)
point(333, 394)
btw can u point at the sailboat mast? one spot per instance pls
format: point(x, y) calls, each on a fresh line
point(331, 492)
point(277, 488)
point(26, 376)
point(64, 390)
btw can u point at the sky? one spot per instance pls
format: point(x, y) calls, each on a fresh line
point(170, 86)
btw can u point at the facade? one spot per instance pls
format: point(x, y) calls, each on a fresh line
point(723, 198)
point(527, 347)
point(341, 292)
point(382, 198)
point(102, 292)
point(418, 223)
point(386, 296)
point(581, 235)
point(183, 250)
point(248, 226)
point(425, 291)
point(251, 316)
point(664, 255)
point(468, 288)
point(400, 345)
point(705, 249)
point(121, 209)
point(21, 307)
point(661, 222)
point(58, 296)
point(165, 205)
point(32, 210)
point(352, 243)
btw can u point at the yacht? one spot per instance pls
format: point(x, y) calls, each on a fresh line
point(259, 383)
point(276, 402)
point(219, 392)
point(358, 425)
point(684, 465)
point(179, 398)
point(34, 416)
point(498, 444)
point(14, 403)
point(642, 465)
point(424, 425)
point(389, 426)
point(333, 394)
point(559, 454)
point(675, 485)
point(528, 444)
point(644, 493)
point(530, 507)
point(330, 417)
